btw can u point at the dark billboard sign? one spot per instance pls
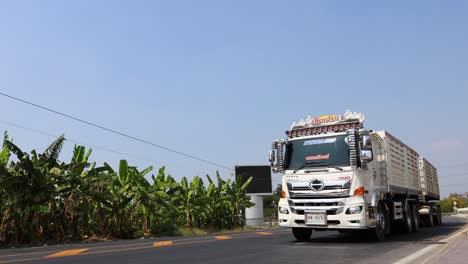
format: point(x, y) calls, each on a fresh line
point(261, 178)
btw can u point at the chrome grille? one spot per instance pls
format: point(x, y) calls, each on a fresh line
point(331, 206)
point(304, 197)
point(306, 188)
point(330, 189)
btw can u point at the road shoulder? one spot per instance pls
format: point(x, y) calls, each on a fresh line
point(432, 252)
point(455, 253)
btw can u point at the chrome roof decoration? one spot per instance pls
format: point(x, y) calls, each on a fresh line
point(348, 115)
point(324, 120)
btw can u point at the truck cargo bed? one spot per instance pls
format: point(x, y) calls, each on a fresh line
point(429, 180)
point(399, 164)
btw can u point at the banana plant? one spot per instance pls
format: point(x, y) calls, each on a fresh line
point(73, 187)
point(190, 200)
point(218, 203)
point(44, 199)
point(123, 189)
point(237, 193)
point(29, 186)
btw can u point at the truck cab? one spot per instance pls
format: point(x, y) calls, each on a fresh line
point(319, 177)
point(339, 176)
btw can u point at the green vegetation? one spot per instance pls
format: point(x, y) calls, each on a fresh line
point(447, 203)
point(45, 200)
point(270, 203)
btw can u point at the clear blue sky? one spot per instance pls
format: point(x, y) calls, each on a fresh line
point(222, 79)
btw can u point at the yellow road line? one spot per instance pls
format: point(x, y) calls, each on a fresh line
point(162, 243)
point(240, 235)
point(136, 246)
point(222, 237)
point(19, 260)
point(30, 253)
point(264, 233)
point(66, 253)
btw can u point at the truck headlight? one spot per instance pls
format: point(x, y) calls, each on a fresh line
point(283, 210)
point(354, 210)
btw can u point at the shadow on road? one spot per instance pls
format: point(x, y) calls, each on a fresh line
point(424, 236)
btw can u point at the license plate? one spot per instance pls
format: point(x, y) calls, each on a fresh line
point(315, 218)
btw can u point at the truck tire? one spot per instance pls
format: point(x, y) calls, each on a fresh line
point(437, 220)
point(430, 218)
point(302, 234)
point(440, 215)
point(408, 219)
point(381, 217)
point(415, 215)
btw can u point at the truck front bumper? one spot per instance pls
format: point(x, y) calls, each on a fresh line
point(341, 220)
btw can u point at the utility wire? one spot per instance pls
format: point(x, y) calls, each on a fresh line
point(71, 140)
point(147, 160)
point(86, 144)
point(114, 131)
point(41, 132)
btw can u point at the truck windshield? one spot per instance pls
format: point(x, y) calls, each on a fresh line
point(326, 151)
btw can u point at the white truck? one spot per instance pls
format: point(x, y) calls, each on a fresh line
point(339, 176)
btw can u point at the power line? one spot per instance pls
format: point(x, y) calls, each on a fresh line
point(71, 140)
point(85, 144)
point(114, 131)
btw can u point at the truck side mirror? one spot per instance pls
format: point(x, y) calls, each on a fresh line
point(272, 156)
point(277, 155)
point(366, 142)
point(366, 155)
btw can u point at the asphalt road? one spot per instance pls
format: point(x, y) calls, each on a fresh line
point(268, 246)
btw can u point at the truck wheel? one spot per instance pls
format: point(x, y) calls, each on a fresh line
point(408, 219)
point(381, 217)
point(436, 216)
point(440, 215)
point(430, 218)
point(302, 234)
point(415, 215)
